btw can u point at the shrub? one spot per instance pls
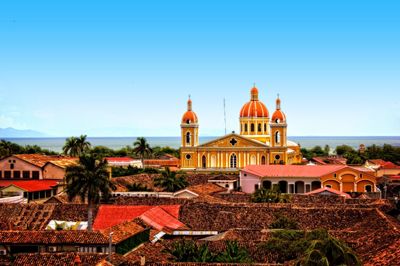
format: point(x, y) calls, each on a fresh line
point(284, 222)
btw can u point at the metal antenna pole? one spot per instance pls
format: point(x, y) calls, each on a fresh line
point(224, 116)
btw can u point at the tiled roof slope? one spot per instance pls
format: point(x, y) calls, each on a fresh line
point(110, 215)
point(292, 170)
point(30, 185)
point(52, 237)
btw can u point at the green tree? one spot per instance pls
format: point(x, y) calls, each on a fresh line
point(233, 253)
point(76, 146)
point(343, 149)
point(328, 251)
point(142, 148)
point(189, 251)
point(284, 222)
point(90, 181)
point(8, 148)
point(170, 182)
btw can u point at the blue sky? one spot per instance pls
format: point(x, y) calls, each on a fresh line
point(125, 68)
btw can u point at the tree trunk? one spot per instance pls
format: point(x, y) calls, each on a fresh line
point(90, 215)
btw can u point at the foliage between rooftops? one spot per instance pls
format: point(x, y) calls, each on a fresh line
point(190, 251)
point(170, 182)
point(132, 242)
point(273, 195)
point(284, 222)
point(314, 247)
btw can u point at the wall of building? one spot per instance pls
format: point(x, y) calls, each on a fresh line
point(51, 171)
point(19, 166)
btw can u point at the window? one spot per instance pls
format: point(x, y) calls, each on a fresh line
point(188, 121)
point(259, 127)
point(187, 137)
point(368, 188)
point(233, 161)
point(245, 127)
point(277, 137)
point(277, 157)
point(263, 161)
point(11, 166)
point(203, 161)
point(7, 174)
point(188, 157)
point(328, 186)
point(17, 174)
point(252, 127)
point(227, 185)
point(360, 175)
point(265, 127)
point(35, 174)
point(334, 175)
point(256, 186)
point(1, 176)
point(26, 174)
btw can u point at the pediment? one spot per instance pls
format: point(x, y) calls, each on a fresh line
point(232, 141)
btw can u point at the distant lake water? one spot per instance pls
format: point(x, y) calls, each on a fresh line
point(55, 144)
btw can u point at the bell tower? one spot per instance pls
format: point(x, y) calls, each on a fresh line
point(278, 135)
point(189, 127)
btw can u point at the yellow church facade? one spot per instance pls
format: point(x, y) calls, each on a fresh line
point(262, 140)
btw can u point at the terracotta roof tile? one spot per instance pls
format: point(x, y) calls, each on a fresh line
point(30, 185)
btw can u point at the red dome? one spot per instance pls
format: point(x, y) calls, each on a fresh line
point(278, 117)
point(254, 108)
point(189, 117)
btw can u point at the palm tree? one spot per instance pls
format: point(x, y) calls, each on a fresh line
point(328, 251)
point(170, 182)
point(142, 148)
point(76, 146)
point(90, 181)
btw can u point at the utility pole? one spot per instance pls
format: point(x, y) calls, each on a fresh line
point(224, 116)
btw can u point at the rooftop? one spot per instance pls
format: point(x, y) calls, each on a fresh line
point(30, 185)
point(40, 160)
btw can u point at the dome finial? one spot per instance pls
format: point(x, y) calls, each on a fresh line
point(254, 93)
point(278, 103)
point(189, 104)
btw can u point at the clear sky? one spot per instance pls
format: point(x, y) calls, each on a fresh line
point(126, 68)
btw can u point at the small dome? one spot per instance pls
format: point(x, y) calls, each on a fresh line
point(254, 108)
point(189, 116)
point(278, 116)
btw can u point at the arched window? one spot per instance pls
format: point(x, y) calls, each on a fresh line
point(233, 161)
point(259, 127)
point(263, 160)
point(277, 137)
point(253, 160)
point(252, 127)
point(368, 188)
point(203, 162)
point(265, 127)
point(245, 127)
point(188, 121)
point(187, 137)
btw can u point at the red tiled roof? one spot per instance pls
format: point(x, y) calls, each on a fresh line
point(378, 161)
point(158, 218)
point(110, 215)
point(331, 190)
point(292, 170)
point(30, 185)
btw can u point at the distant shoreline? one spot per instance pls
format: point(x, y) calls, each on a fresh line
point(56, 143)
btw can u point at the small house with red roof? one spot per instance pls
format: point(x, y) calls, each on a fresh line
point(305, 178)
point(383, 168)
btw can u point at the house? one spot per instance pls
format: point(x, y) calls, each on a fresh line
point(306, 178)
point(34, 166)
point(229, 182)
point(332, 159)
point(383, 168)
point(123, 162)
point(163, 162)
point(30, 189)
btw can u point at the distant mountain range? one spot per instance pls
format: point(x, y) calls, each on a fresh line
point(20, 133)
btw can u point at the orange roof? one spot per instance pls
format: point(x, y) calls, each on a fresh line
point(189, 116)
point(111, 215)
point(30, 185)
point(292, 170)
point(119, 159)
point(331, 190)
point(40, 160)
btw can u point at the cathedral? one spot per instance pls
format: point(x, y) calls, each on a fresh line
point(262, 140)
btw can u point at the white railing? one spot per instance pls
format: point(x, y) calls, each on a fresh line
point(14, 199)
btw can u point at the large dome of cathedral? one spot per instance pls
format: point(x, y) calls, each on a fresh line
point(254, 108)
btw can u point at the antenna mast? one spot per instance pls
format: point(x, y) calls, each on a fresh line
point(224, 116)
